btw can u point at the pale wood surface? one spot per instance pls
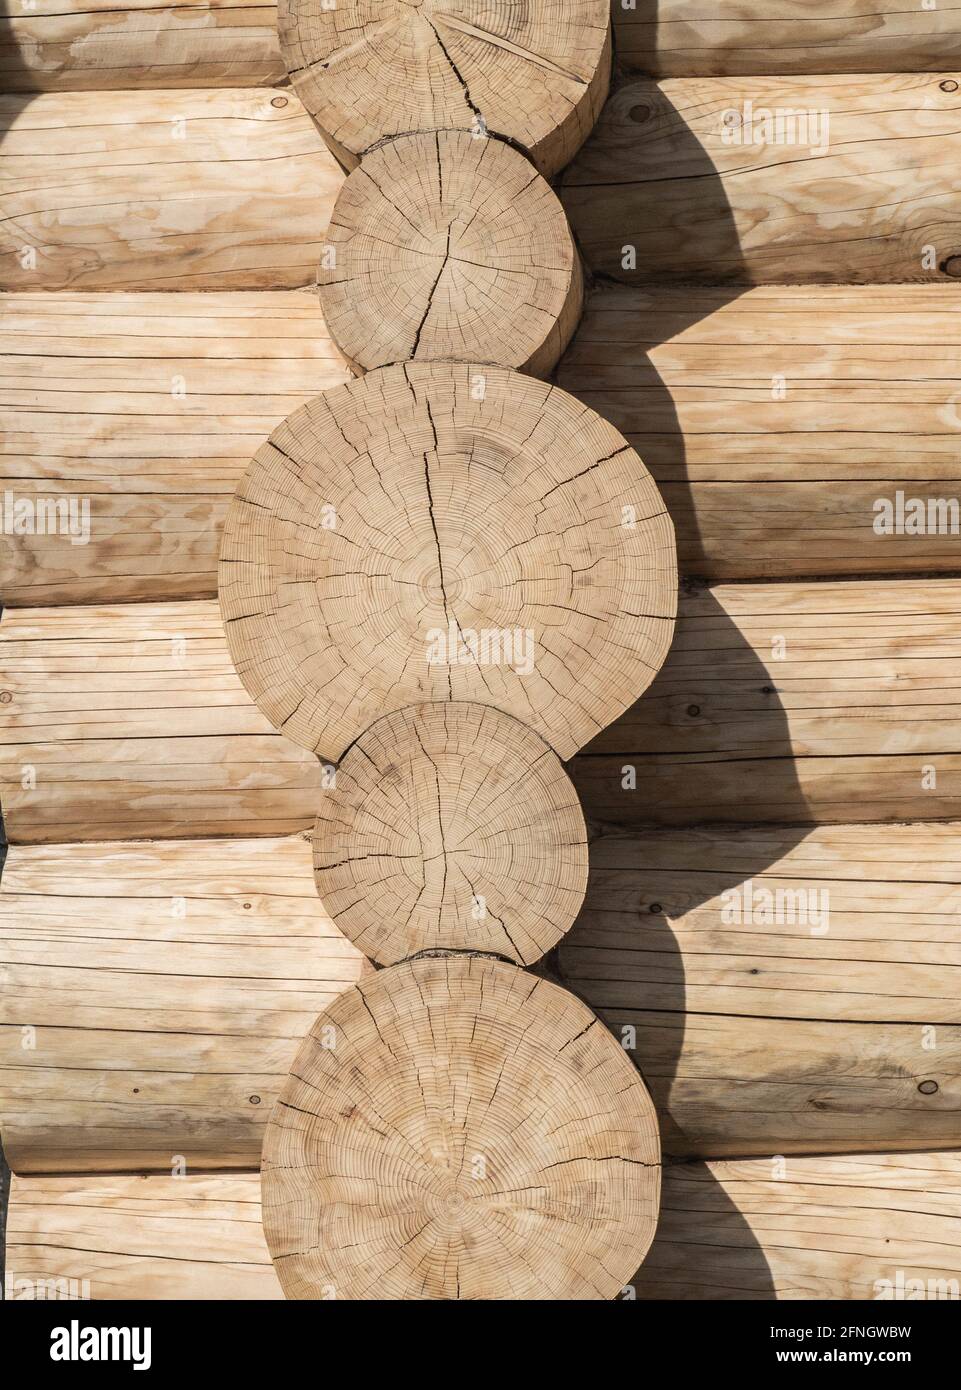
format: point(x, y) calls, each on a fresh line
point(132, 735)
point(773, 419)
point(162, 191)
point(454, 1128)
point(657, 175)
point(451, 826)
point(680, 38)
point(154, 996)
point(844, 728)
point(150, 406)
point(789, 990)
point(831, 1228)
point(390, 524)
point(193, 1237)
point(446, 247)
point(96, 45)
point(129, 721)
point(535, 74)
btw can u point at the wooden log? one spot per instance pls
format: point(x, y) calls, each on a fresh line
point(451, 826)
point(153, 998)
point(771, 180)
point(144, 1237)
point(198, 190)
point(129, 722)
point(792, 703)
point(537, 75)
point(453, 1129)
point(675, 38)
point(141, 412)
point(446, 532)
point(98, 45)
point(879, 1227)
point(780, 424)
point(446, 247)
point(781, 990)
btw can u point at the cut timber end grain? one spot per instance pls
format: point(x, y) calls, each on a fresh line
point(451, 826)
point(439, 532)
point(449, 246)
point(366, 70)
point(455, 1129)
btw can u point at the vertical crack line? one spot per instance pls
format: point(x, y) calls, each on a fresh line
point(456, 71)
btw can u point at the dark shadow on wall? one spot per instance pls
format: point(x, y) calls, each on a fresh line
point(592, 961)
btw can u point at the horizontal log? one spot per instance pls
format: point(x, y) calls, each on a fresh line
point(203, 190)
point(781, 424)
point(141, 412)
point(154, 996)
point(834, 1228)
point(766, 180)
point(129, 722)
point(793, 703)
point(183, 1238)
point(674, 38)
point(879, 1227)
point(96, 45)
point(782, 991)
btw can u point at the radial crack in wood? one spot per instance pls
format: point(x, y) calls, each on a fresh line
point(451, 826)
point(438, 532)
point(456, 1129)
point(449, 246)
point(367, 70)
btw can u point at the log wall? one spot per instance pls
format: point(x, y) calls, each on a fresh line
point(776, 986)
point(143, 1237)
point(192, 190)
point(855, 190)
point(675, 38)
point(154, 996)
point(130, 722)
point(99, 45)
point(782, 423)
point(146, 410)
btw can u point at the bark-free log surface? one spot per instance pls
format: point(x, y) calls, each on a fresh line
point(141, 411)
point(454, 1128)
point(128, 721)
point(453, 826)
point(182, 190)
point(94, 45)
point(537, 74)
point(185, 1238)
point(793, 703)
point(778, 422)
point(677, 38)
point(450, 247)
point(154, 996)
point(881, 1227)
point(781, 990)
point(856, 184)
point(438, 531)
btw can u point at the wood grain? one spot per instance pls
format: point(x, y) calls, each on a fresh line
point(879, 203)
point(677, 38)
point(774, 420)
point(150, 407)
point(855, 1227)
point(143, 1237)
point(154, 996)
point(781, 990)
point(793, 702)
point(129, 722)
point(198, 190)
point(97, 45)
